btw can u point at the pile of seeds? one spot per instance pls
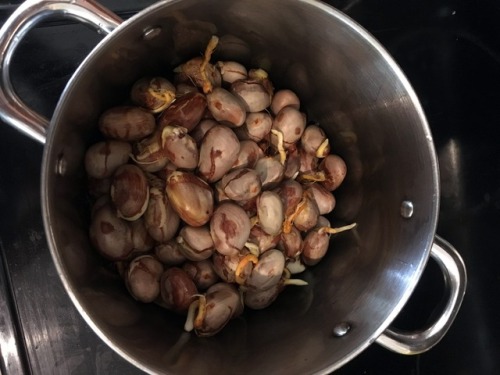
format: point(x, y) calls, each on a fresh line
point(209, 193)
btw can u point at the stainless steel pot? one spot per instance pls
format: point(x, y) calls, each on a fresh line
point(351, 86)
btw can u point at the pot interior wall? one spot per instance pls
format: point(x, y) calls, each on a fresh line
point(371, 116)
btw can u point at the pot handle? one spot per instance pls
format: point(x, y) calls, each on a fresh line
point(12, 109)
point(455, 278)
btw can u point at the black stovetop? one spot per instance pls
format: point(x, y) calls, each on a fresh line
point(449, 50)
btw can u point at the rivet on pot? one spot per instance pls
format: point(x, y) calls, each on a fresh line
point(341, 329)
point(407, 209)
point(61, 165)
point(151, 33)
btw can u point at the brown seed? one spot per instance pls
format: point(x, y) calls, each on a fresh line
point(291, 243)
point(250, 206)
point(196, 242)
point(268, 271)
point(218, 151)
point(226, 107)
point(184, 88)
point(292, 164)
point(130, 192)
point(261, 76)
point(225, 266)
point(149, 154)
point(143, 242)
point(192, 70)
point(237, 302)
point(270, 212)
point(191, 197)
point(241, 184)
point(308, 162)
point(160, 218)
point(202, 128)
point(291, 193)
point(179, 147)
point(142, 278)
point(230, 228)
point(270, 171)
point(220, 195)
point(263, 240)
point(323, 198)
point(323, 222)
point(177, 289)
point(186, 111)
point(202, 273)
point(291, 123)
point(249, 153)
point(317, 241)
point(221, 305)
point(307, 217)
point(315, 142)
point(169, 253)
point(127, 123)
point(110, 234)
point(284, 98)
point(257, 126)
point(153, 93)
point(231, 71)
point(335, 170)
point(253, 94)
point(315, 247)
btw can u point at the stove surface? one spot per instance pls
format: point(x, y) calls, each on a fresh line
point(450, 52)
